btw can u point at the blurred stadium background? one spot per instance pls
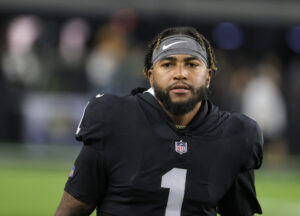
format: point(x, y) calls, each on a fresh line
point(54, 55)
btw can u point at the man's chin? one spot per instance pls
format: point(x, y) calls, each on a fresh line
point(180, 98)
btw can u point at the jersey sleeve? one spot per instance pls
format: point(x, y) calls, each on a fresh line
point(241, 199)
point(96, 119)
point(87, 180)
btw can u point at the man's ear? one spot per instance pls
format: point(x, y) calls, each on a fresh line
point(150, 76)
point(208, 77)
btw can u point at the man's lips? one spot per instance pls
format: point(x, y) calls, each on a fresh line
point(180, 89)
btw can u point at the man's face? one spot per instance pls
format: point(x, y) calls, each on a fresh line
point(180, 82)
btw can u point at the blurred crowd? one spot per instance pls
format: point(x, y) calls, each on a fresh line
point(50, 68)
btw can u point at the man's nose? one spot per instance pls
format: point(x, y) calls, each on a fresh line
point(180, 72)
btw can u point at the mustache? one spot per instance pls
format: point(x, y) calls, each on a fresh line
point(189, 86)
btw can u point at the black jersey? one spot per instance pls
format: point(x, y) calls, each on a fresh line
point(135, 162)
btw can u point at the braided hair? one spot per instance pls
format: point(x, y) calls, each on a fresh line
point(185, 30)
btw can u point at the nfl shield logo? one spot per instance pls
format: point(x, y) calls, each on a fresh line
point(180, 147)
point(72, 172)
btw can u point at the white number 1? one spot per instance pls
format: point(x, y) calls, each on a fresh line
point(175, 180)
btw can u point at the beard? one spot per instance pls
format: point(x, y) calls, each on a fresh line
point(183, 107)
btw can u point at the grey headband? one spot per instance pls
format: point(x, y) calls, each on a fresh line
point(179, 44)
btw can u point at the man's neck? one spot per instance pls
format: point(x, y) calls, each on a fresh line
point(183, 120)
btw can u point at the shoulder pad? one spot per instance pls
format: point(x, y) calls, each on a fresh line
point(97, 114)
point(254, 139)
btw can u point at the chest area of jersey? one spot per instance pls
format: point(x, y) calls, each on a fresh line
point(191, 166)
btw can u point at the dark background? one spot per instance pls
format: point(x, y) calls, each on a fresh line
point(43, 91)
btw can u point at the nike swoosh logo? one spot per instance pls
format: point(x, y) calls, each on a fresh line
point(169, 45)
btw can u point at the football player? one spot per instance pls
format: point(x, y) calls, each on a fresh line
point(166, 151)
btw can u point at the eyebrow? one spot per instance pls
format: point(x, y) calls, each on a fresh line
point(170, 58)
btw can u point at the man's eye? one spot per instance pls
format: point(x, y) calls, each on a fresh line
point(192, 64)
point(166, 64)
